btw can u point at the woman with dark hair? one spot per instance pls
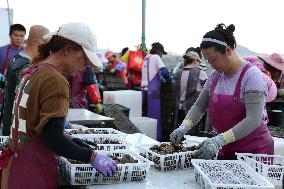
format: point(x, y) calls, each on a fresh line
point(235, 97)
point(41, 105)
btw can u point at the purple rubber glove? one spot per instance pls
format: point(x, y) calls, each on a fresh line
point(103, 164)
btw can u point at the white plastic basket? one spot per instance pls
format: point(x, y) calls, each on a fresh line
point(123, 145)
point(175, 161)
point(102, 132)
point(269, 166)
point(228, 174)
point(3, 139)
point(85, 174)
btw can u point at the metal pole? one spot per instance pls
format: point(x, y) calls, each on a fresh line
point(143, 45)
point(9, 14)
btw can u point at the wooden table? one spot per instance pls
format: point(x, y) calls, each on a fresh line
point(86, 117)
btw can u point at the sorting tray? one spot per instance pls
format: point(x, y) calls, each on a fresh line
point(175, 161)
point(269, 166)
point(228, 174)
point(102, 132)
point(85, 174)
point(100, 139)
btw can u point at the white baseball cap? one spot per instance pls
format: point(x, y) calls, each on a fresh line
point(81, 34)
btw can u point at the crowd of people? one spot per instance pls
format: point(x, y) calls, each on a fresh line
point(52, 71)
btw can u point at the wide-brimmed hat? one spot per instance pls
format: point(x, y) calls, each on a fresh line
point(274, 60)
point(81, 34)
point(254, 60)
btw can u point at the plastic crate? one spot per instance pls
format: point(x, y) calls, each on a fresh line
point(112, 82)
point(123, 145)
point(3, 139)
point(124, 109)
point(168, 162)
point(85, 174)
point(269, 166)
point(228, 174)
point(104, 132)
point(276, 131)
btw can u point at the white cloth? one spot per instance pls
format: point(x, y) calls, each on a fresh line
point(155, 64)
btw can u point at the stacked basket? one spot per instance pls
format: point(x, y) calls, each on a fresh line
point(85, 174)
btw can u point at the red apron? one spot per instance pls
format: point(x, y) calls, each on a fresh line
point(226, 111)
point(34, 165)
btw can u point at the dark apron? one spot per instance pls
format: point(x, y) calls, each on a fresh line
point(3, 70)
point(32, 166)
point(225, 112)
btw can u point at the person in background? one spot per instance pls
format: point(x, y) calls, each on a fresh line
point(116, 66)
point(235, 96)
point(17, 36)
point(272, 88)
point(12, 77)
point(104, 63)
point(179, 67)
point(84, 90)
point(189, 84)
point(153, 71)
point(274, 64)
point(41, 107)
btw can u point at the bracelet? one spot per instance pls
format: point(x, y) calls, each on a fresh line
point(188, 123)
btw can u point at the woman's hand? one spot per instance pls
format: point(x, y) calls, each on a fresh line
point(103, 164)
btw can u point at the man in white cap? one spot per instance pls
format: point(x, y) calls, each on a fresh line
point(40, 111)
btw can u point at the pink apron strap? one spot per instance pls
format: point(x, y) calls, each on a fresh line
point(214, 83)
point(237, 91)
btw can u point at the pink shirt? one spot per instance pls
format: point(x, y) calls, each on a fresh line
point(253, 80)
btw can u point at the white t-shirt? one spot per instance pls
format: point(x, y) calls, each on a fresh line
point(155, 64)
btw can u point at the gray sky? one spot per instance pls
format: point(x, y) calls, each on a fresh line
point(177, 24)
